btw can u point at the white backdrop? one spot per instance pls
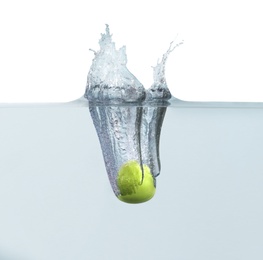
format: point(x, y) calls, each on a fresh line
point(44, 47)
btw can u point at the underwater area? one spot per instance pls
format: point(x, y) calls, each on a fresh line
point(56, 201)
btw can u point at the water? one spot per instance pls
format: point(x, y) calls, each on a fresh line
point(129, 135)
point(56, 201)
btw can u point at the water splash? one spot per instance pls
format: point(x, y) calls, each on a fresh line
point(109, 80)
point(128, 120)
point(153, 116)
point(159, 91)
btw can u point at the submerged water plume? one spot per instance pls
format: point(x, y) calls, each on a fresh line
point(128, 120)
point(153, 116)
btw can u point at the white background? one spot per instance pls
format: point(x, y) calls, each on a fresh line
point(45, 57)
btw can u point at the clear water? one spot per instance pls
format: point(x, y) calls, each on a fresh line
point(128, 120)
point(56, 201)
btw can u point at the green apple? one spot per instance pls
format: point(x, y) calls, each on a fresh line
point(135, 186)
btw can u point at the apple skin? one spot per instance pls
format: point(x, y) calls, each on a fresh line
point(135, 186)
